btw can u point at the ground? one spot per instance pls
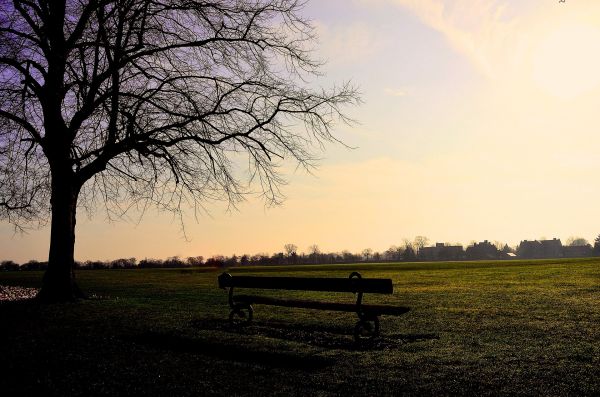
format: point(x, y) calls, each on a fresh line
point(483, 328)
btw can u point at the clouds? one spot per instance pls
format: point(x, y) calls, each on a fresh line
point(347, 44)
point(395, 92)
point(523, 46)
point(485, 31)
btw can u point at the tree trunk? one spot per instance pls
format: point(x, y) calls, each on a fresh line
point(59, 280)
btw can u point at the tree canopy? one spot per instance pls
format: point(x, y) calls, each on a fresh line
point(140, 102)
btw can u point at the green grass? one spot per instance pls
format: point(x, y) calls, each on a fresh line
point(476, 328)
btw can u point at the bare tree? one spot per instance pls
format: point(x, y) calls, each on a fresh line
point(576, 241)
point(195, 260)
point(408, 251)
point(499, 245)
point(420, 242)
point(314, 252)
point(131, 103)
point(290, 249)
point(393, 253)
point(366, 253)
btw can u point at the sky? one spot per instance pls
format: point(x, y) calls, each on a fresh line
point(479, 121)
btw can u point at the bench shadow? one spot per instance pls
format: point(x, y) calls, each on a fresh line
point(323, 336)
point(237, 353)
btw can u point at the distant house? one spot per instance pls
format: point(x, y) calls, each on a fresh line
point(529, 249)
point(483, 250)
point(577, 251)
point(441, 252)
point(540, 249)
point(552, 248)
point(428, 253)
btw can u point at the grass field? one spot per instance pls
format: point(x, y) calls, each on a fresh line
point(476, 328)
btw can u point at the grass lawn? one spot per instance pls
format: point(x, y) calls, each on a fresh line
point(475, 328)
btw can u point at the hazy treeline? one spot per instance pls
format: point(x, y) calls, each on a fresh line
point(121, 263)
point(415, 250)
point(216, 261)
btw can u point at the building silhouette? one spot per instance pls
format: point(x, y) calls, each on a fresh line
point(441, 252)
point(540, 249)
point(483, 250)
point(577, 251)
point(552, 249)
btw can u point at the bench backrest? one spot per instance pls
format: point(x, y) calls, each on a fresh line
point(355, 284)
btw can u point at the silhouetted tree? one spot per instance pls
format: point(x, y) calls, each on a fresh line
point(290, 249)
point(420, 242)
point(347, 256)
point(577, 242)
point(499, 245)
point(409, 254)
point(216, 261)
point(231, 261)
point(507, 250)
point(34, 265)
point(150, 263)
point(9, 265)
point(313, 249)
point(366, 254)
point(195, 260)
point(123, 263)
point(104, 265)
point(393, 253)
point(596, 250)
point(149, 102)
point(313, 253)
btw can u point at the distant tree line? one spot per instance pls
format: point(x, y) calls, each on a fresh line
point(408, 251)
point(121, 263)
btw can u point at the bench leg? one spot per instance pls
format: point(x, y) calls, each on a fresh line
point(241, 314)
point(366, 329)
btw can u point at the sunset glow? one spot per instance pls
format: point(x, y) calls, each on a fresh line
point(567, 60)
point(480, 121)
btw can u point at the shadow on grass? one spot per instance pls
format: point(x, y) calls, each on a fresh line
point(236, 353)
point(411, 338)
point(324, 336)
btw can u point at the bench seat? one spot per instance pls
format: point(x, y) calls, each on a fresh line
point(376, 310)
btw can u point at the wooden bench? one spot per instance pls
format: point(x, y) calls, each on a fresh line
point(367, 326)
